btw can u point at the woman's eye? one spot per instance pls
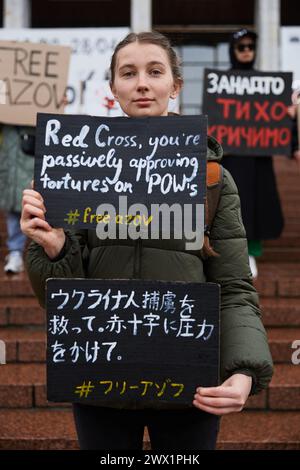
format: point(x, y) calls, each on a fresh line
point(156, 72)
point(128, 74)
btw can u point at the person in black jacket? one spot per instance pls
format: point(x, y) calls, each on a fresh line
point(254, 176)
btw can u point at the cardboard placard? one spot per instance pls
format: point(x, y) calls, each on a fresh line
point(88, 89)
point(131, 343)
point(33, 79)
point(247, 111)
point(92, 171)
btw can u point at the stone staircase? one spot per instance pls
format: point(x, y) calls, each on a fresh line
point(271, 419)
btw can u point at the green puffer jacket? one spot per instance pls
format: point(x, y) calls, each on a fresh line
point(16, 167)
point(244, 346)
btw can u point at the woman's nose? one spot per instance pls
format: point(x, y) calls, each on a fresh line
point(142, 83)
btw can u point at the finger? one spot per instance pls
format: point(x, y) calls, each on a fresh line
point(36, 222)
point(216, 411)
point(31, 192)
point(30, 210)
point(217, 402)
point(30, 199)
point(221, 391)
point(32, 184)
point(34, 202)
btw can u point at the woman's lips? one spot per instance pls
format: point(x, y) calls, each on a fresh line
point(143, 101)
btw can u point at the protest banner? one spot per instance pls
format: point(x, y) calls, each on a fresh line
point(92, 171)
point(131, 343)
point(247, 111)
point(88, 90)
point(33, 78)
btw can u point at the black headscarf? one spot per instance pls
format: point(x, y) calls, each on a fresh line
point(236, 37)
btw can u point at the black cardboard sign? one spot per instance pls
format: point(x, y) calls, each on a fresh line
point(131, 343)
point(247, 111)
point(84, 161)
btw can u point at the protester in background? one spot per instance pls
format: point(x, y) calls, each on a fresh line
point(16, 172)
point(145, 74)
point(254, 176)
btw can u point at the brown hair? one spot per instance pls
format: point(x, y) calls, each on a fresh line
point(152, 37)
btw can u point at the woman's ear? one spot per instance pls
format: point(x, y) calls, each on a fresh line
point(113, 90)
point(176, 89)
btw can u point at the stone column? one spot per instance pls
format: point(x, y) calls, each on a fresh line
point(267, 22)
point(141, 15)
point(16, 13)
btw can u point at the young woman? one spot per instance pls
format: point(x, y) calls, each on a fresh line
point(145, 74)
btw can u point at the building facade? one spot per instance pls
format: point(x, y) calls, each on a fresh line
point(200, 29)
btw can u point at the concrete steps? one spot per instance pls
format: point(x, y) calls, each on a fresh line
point(21, 311)
point(284, 391)
point(24, 344)
point(280, 312)
point(54, 430)
point(254, 430)
point(37, 430)
point(287, 247)
point(16, 285)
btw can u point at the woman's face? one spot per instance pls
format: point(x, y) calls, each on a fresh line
point(143, 81)
point(245, 50)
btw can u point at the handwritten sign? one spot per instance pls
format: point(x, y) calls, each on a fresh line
point(33, 78)
point(131, 343)
point(93, 170)
point(88, 90)
point(247, 111)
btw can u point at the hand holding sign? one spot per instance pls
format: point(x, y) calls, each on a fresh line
point(34, 225)
point(229, 397)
